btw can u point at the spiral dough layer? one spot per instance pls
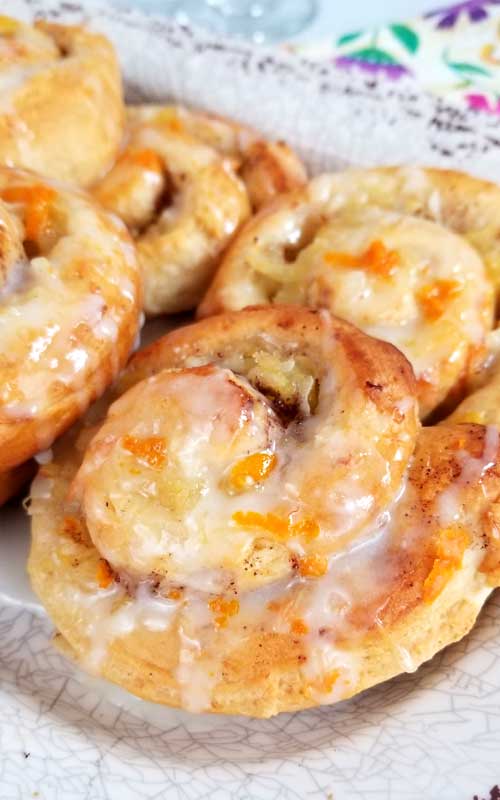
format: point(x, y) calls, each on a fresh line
point(258, 524)
point(61, 108)
point(183, 184)
point(408, 255)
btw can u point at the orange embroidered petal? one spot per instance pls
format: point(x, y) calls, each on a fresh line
point(37, 201)
point(152, 449)
point(313, 566)
point(223, 608)
point(377, 258)
point(146, 158)
point(252, 469)
point(299, 627)
point(435, 297)
point(104, 574)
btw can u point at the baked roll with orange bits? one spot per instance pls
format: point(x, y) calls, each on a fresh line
point(69, 309)
point(184, 184)
point(482, 401)
point(259, 524)
point(62, 110)
point(409, 255)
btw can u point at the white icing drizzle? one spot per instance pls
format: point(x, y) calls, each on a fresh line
point(115, 615)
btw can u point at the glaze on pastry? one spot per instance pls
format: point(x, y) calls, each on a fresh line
point(408, 255)
point(69, 310)
point(183, 184)
point(259, 524)
point(482, 402)
point(61, 108)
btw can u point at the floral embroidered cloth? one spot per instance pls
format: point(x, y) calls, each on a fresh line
point(453, 51)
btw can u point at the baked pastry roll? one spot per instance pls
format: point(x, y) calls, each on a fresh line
point(183, 184)
point(62, 108)
point(258, 524)
point(69, 311)
point(482, 401)
point(408, 255)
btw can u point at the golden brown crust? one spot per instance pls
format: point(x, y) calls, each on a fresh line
point(418, 584)
point(183, 184)
point(65, 119)
point(68, 317)
point(379, 247)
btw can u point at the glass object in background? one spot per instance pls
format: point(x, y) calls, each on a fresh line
point(259, 20)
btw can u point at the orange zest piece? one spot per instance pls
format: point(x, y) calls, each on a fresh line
point(435, 297)
point(223, 608)
point(37, 201)
point(313, 566)
point(146, 158)
point(251, 470)
point(268, 522)
point(329, 681)
point(377, 258)
point(299, 627)
point(280, 527)
point(449, 549)
point(307, 527)
point(104, 574)
point(151, 449)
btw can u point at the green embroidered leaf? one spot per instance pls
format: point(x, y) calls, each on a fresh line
point(406, 37)
point(468, 69)
point(373, 55)
point(349, 37)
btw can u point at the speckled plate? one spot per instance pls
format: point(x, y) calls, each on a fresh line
point(432, 735)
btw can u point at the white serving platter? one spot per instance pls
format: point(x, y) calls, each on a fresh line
point(432, 735)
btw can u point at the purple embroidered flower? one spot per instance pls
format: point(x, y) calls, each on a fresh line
point(475, 9)
point(373, 60)
point(479, 102)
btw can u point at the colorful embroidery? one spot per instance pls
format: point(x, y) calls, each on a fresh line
point(453, 51)
point(476, 10)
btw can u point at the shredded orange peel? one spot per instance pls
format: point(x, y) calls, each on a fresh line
point(252, 469)
point(449, 550)
point(281, 528)
point(377, 258)
point(151, 449)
